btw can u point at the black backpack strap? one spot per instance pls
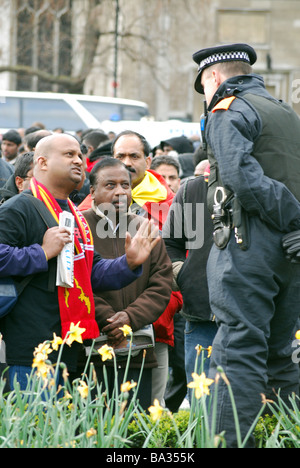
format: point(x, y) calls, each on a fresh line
point(22, 285)
point(43, 211)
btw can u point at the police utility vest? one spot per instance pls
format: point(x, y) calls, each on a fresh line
point(277, 149)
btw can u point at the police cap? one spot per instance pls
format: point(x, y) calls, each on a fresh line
point(224, 53)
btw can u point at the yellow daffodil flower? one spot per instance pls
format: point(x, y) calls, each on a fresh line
point(156, 410)
point(106, 352)
point(74, 334)
point(209, 351)
point(42, 351)
point(67, 396)
point(200, 384)
point(41, 354)
point(126, 329)
point(56, 342)
point(43, 370)
point(83, 389)
point(127, 386)
point(39, 359)
point(297, 335)
point(91, 432)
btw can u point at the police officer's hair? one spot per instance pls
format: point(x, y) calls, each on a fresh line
point(234, 68)
point(146, 146)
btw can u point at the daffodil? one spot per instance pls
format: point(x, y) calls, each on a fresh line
point(156, 410)
point(127, 386)
point(56, 342)
point(126, 329)
point(67, 396)
point(106, 352)
point(91, 432)
point(39, 365)
point(43, 369)
point(297, 335)
point(209, 351)
point(74, 334)
point(200, 384)
point(39, 359)
point(42, 351)
point(83, 389)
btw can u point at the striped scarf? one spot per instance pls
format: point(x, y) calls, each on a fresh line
point(75, 304)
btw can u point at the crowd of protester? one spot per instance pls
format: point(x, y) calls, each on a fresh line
point(223, 273)
point(149, 179)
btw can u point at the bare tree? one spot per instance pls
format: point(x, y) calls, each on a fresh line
point(45, 37)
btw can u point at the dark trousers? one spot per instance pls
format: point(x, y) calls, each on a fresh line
point(177, 385)
point(255, 296)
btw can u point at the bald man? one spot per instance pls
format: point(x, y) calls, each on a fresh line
point(44, 308)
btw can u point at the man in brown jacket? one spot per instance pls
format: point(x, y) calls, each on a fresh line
point(143, 301)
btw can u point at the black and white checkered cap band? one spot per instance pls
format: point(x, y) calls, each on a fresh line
point(222, 57)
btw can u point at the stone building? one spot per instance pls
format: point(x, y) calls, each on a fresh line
point(147, 53)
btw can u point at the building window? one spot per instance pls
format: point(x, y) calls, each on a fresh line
point(43, 41)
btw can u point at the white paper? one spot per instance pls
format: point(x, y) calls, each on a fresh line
point(65, 260)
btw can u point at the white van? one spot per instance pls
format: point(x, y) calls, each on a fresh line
point(72, 112)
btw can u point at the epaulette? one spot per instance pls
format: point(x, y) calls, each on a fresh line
point(224, 104)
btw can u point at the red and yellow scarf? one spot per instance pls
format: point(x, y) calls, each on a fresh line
point(75, 304)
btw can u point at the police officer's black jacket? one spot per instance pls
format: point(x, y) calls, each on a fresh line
point(256, 151)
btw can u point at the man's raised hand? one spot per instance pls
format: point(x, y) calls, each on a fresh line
point(139, 247)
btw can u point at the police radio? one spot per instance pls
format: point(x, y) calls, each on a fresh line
point(203, 120)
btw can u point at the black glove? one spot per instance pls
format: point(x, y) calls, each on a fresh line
point(291, 246)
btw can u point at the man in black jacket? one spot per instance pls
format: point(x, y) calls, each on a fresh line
point(188, 237)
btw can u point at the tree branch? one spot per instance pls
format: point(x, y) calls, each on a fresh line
point(71, 82)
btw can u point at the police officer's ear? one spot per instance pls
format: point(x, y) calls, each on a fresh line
point(217, 76)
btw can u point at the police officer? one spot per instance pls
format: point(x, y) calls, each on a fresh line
point(254, 192)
